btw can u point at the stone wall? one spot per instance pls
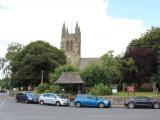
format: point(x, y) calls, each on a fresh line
point(116, 100)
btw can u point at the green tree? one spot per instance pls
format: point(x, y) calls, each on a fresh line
point(5, 83)
point(93, 74)
point(6, 63)
point(112, 67)
point(60, 69)
point(32, 60)
point(150, 39)
point(128, 68)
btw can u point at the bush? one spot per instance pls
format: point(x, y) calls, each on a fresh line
point(100, 89)
point(53, 89)
point(42, 87)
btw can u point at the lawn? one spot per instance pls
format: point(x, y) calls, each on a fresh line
point(149, 94)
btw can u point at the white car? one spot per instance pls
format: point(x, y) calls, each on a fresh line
point(51, 98)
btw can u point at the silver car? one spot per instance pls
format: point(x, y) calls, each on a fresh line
point(51, 98)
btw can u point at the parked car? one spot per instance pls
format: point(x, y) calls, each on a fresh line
point(27, 97)
point(55, 99)
point(142, 101)
point(91, 101)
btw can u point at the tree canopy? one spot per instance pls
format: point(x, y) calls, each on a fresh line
point(32, 60)
point(144, 51)
point(112, 67)
point(93, 74)
point(6, 63)
point(150, 39)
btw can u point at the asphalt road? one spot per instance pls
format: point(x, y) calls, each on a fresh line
point(10, 110)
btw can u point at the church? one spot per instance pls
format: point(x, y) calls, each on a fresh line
point(71, 45)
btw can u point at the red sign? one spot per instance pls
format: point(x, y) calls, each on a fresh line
point(131, 89)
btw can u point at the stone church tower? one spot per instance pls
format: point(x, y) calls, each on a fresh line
point(71, 44)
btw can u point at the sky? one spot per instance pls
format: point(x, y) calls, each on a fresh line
point(105, 24)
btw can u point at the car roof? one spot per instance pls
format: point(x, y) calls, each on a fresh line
point(137, 97)
point(49, 93)
point(142, 97)
point(84, 95)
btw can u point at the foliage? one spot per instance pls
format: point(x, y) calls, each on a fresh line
point(100, 89)
point(112, 67)
point(34, 58)
point(150, 39)
point(128, 68)
point(144, 51)
point(60, 69)
point(6, 63)
point(145, 59)
point(42, 87)
point(156, 76)
point(53, 89)
point(93, 74)
point(5, 83)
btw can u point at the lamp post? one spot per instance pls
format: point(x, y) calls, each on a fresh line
point(42, 76)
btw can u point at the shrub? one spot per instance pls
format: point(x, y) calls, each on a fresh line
point(53, 89)
point(42, 87)
point(100, 89)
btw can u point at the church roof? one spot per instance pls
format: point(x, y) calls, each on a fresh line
point(85, 61)
point(70, 78)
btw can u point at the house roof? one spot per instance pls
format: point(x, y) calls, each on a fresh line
point(70, 78)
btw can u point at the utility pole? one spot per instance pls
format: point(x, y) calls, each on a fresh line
point(42, 76)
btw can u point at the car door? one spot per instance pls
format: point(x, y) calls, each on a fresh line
point(23, 97)
point(46, 98)
point(142, 101)
point(91, 101)
point(52, 99)
point(146, 102)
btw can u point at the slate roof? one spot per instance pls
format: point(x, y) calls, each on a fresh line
point(85, 61)
point(70, 78)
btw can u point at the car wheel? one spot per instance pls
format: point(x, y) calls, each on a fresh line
point(58, 103)
point(156, 105)
point(17, 101)
point(131, 105)
point(41, 102)
point(78, 104)
point(101, 105)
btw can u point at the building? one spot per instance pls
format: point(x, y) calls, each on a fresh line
point(71, 45)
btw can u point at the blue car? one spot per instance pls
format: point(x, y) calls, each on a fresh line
point(91, 101)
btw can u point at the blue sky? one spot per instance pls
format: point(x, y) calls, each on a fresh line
point(146, 10)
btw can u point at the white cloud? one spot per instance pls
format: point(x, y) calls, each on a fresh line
point(29, 20)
